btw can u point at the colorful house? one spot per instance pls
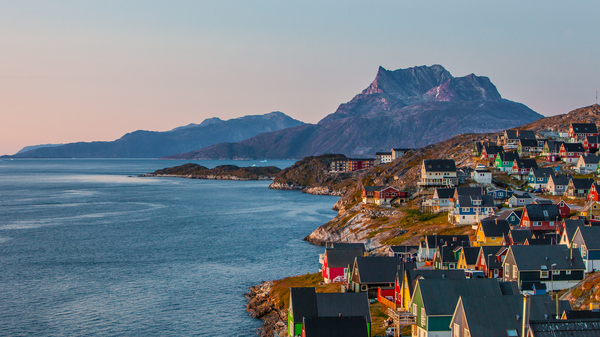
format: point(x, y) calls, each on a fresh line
point(557, 184)
point(434, 301)
point(431, 243)
point(336, 263)
point(587, 164)
point(570, 152)
point(528, 148)
point(512, 216)
point(489, 152)
point(442, 201)
point(568, 229)
point(398, 152)
point(373, 272)
point(383, 157)
point(579, 131)
point(521, 167)
point(438, 172)
point(517, 237)
point(491, 232)
point(538, 177)
point(499, 195)
point(563, 208)
point(591, 212)
point(551, 150)
point(554, 265)
point(467, 258)
point(540, 218)
point(489, 260)
point(591, 143)
point(587, 239)
point(504, 161)
point(521, 199)
point(469, 209)
point(579, 187)
point(306, 302)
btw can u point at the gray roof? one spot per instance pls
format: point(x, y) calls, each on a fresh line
point(566, 328)
point(561, 179)
point(592, 139)
point(526, 163)
point(383, 153)
point(495, 227)
point(345, 245)
point(591, 159)
point(573, 147)
point(508, 156)
point(493, 149)
point(440, 296)
point(412, 275)
point(571, 226)
point(469, 191)
point(434, 241)
point(543, 256)
point(444, 193)
point(346, 304)
point(439, 165)
point(582, 183)
point(546, 212)
point(467, 200)
point(505, 214)
point(493, 315)
point(520, 235)
point(471, 254)
point(554, 146)
point(539, 172)
point(342, 258)
point(303, 302)
point(529, 142)
point(576, 314)
point(372, 188)
point(377, 269)
point(335, 327)
point(404, 249)
point(591, 237)
point(584, 127)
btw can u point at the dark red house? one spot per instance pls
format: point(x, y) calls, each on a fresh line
point(541, 218)
point(563, 208)
point(590, 144)
point(593, 193)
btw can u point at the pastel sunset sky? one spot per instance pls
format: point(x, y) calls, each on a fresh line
point(94, 70)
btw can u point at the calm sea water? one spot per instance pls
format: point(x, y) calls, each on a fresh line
point(87, 248)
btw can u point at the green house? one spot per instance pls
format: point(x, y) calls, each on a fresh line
point(434, 300)
point(307, 303)
point(504, 161)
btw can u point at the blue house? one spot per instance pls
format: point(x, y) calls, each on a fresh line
point(512, 216)
point(499, 195)
point(538, 177)
point(469, 209)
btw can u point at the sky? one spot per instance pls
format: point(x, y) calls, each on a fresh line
point(94, 70)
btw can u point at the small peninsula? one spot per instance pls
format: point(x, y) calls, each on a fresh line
point(222, 172)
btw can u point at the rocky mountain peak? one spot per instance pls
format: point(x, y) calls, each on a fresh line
point(467, 88)
point(408, 83)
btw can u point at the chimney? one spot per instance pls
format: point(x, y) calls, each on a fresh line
point(526, 305)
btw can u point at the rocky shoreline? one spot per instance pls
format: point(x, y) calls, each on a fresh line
point(208, 177)
point(316, 190)
point(262, 306)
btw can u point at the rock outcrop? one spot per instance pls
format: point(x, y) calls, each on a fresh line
point(223, 172)
point(261, 306)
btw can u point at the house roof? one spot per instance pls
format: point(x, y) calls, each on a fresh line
point(493, 149)
point(439, 165)
point(346, 245)
point(440, 296)
point(526, 163)
point(447, 254)
point(372, 188)
point(471, 254)
point(508, 156)
point(526, 134)
point(399, 149)
point(591, 159)
point(378, 269)
point(576, 314)
point(468, 191)
point(303, 302)
point(383, 153)
point(584, 128)
point(539, 172)
point(543, 256)
point(540, 201)
point(335, 327)
point(468, 200)
point(505, 214)
point(444, 193)
point(412, 275)
point(434, 241)
point(492, 316)
point(573, 147)
point(571, 226)
point(591, 237)
point(545, 212)
point(554, 146)
point(592, 139)
point(493, 262)
point(342, 258)
point(347, 304)
point(495, 228)
point(528, 142)
point(564, 328)
point(404, 249)
point(541, 241)
point(561, 179)
point(520, 235)
point(582, 183)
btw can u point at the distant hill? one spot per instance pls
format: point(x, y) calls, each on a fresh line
point(34, 147)
point(153, 144)
point(561, 123)
point(410, 107)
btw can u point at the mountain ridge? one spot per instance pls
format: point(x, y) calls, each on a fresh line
point(409, 107)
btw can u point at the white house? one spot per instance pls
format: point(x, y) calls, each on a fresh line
point(482, 176)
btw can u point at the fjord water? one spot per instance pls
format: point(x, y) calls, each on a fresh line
point(89, 248)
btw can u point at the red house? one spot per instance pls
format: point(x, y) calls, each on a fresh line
point(590, 144)
point(593, 193)
point(563, 208)
point(355, 164)
point(578, 131)
point(490, 260)
point(540, 218)
point(337, 262)
point(570, 152)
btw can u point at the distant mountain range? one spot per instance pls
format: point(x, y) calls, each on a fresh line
point(410, 107)
point(153, 144)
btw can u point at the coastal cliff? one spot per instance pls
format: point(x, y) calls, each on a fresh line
point(222, 172)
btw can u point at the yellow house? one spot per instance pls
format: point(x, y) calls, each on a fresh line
point(468, 257)
point(491, 232)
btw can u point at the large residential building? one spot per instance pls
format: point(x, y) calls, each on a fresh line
point(438, 172)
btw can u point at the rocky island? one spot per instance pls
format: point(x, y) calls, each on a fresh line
point(222, 172)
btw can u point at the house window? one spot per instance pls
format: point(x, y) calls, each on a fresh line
point(543, 274)
point(456, 330)
point(515, 271)
point(537, 223)
point(467, 333)
point(555, 272)
point(423, 317)
point(414, 311)
point(568, 272)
